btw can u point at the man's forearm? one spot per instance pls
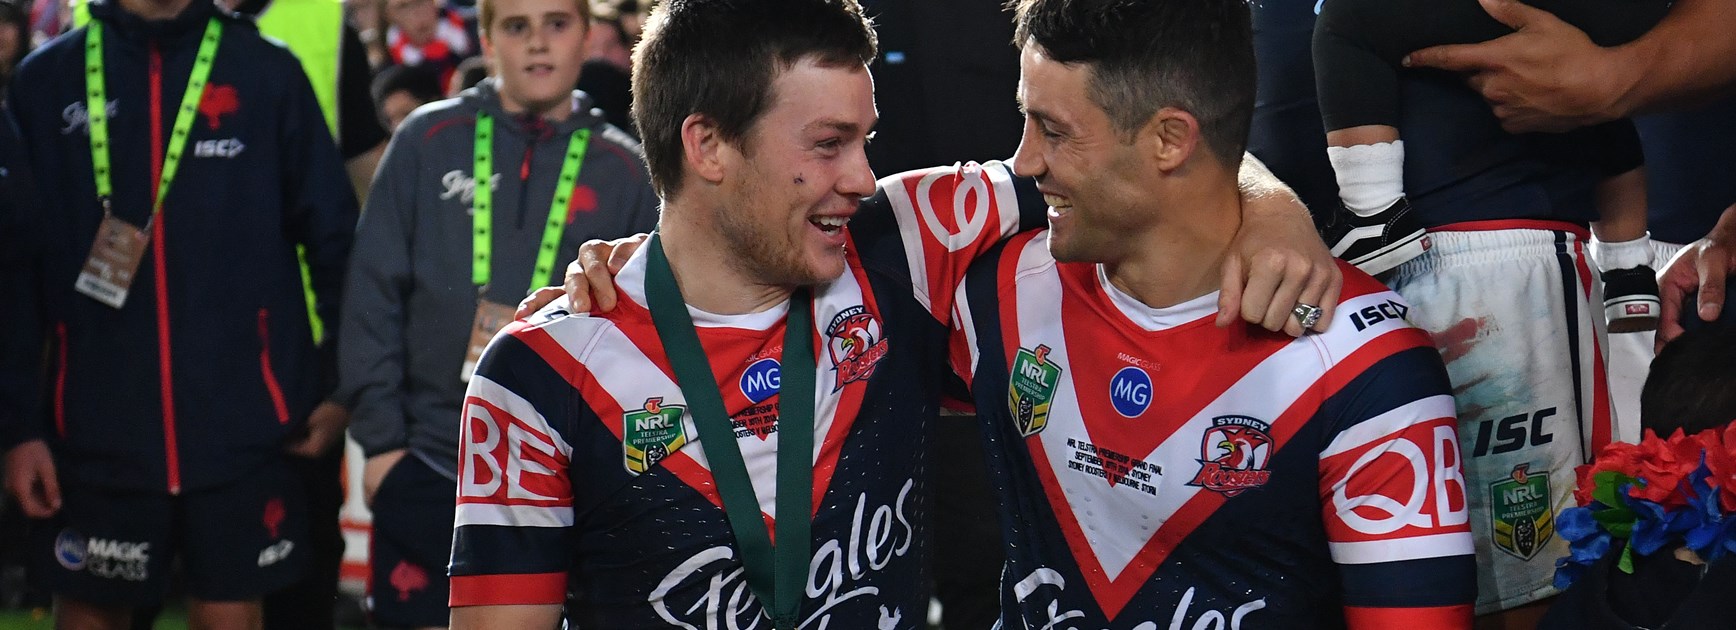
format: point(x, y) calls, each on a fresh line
point(1256, 181)
point(1689, 56)
point(537, 617)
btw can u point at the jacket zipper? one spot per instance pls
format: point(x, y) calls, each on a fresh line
point(524, 177)
point(165, 370)
point(60, 381)
point(265, 368)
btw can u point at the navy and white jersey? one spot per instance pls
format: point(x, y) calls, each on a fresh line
point(1159, 471)
point(580, 468)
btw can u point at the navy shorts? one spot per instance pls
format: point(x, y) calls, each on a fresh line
point(113, 547)
point(412, 542)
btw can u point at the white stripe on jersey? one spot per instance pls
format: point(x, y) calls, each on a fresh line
point(1386, 424)
point(482, 387)
point(1264, 392)
point(630, 378)
point(1399, 549)
point(513, 515)
point(918, 223)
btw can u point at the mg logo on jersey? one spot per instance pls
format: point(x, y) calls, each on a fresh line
point(70, 549)
point(761, 380)
point(652, 433)
point(1035, 379)
point(1519, 508)
point(1233, 455)
point(855, 344)
point(1130, 391)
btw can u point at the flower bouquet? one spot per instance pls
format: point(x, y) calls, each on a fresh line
point(1675, 493)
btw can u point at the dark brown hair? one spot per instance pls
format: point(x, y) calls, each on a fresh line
point(718, 58)
point(1144, 55)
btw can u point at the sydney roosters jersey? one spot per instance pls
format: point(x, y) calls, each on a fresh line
point(1160, 472)
point(581, 468)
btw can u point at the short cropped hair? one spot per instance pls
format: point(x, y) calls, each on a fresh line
point(1144, 55)
point(718, 58)
point(485, 14)
point(1692, 385)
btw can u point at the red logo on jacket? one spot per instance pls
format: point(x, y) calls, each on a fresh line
point(218, 101)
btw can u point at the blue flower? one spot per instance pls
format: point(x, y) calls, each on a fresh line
point(1586, 543)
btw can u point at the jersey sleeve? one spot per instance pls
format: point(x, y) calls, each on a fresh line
point(1392, 488)
point(934, 222)
point(512, 542)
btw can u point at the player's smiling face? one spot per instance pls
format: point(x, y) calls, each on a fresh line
point(796, 177)
point(1088, 171)
point(537, 48)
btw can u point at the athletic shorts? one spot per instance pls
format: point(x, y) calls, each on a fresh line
point(1518, 317)
point(235, 542)
point(412, 541)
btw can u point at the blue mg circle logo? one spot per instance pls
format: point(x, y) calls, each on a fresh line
point(1130, 391)
point(70, 549)
point(761, 380)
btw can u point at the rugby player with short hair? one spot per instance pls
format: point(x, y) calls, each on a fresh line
point(585, 462)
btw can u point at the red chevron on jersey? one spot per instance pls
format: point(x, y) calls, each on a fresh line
point(639, 372)
point(1159, 413)
point(947, 217)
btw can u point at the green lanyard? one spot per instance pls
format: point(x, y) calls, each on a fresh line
point(776, 575)
point(482, 267)
point(96, 101)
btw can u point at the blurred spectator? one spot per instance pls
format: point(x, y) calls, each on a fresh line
point(166, 435)
point(426, 297)
point(14, 39)
point(469, 73)
point(399, 90)
point(422, 32)
point(607, 73)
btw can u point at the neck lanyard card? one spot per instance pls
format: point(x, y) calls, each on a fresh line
point(776, 574)
point(114, 258)
point(491, 316)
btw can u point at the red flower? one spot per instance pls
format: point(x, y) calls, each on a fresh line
point(1663, 466)
point(1721, 461)
point(1620, 457)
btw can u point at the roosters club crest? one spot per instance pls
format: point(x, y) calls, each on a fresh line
point(856, 345)
point(1233, 455)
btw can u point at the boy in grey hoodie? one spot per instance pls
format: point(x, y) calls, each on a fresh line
point(440, 260)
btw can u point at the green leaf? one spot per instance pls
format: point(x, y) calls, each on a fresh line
point(1607, 485)
point(1627, 559)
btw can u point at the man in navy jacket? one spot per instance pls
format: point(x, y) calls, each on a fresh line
point(166, 418)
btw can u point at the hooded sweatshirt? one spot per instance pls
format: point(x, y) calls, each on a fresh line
point(410, 303)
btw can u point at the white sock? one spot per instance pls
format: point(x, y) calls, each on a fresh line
point(1370, 176)
point(1622, 255)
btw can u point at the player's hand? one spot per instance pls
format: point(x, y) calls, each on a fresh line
point(325, 426)
point(375, 470)
point(31, 479)
point(1700, 269)
point(590, 277)
point(1547, 76)
point(1277, 262)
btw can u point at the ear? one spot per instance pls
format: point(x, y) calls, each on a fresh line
point(1170, 136)
point(487, 46)
point(702, 148)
